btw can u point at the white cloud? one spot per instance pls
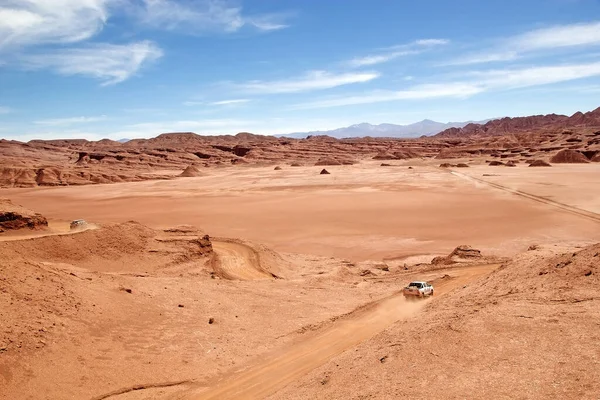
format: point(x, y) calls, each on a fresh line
point(108, 62)
point(482, 58)
point(535, 76)
point(419, 92)
point(267, 23)
point(477, 82)
point(431, 42)
point(313, 80)
point(559, 36)
point(416, 47)
point(30, 22)
point(203, 16)
point(5, 110)
point(535, 41)
point(69, 121)
point(380, 58)
point(229, 102)
point(216, 103)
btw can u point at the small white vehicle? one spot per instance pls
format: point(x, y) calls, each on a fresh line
point(78, 224)
point(418, 289)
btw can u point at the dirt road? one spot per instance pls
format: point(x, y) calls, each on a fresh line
point(566, 207)
point(274, 371)
point(55, 228)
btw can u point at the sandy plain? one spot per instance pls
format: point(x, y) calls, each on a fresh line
point(291, 295)
point(361, 212)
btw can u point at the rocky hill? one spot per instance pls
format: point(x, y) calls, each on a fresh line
point(81, 162)
point(533, 123)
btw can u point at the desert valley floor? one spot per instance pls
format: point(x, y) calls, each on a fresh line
point(295, 292)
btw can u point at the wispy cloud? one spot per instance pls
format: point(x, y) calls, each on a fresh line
point(482, 58)
point(476, 82)
point(391, 53)
point(313, 80)
point(69, 121)
point(584, 34)
point(29, 22)
point(230, 102)
point(204, 16)
point(5, 110)
point(418, 92)
point(431, 42)
point(535, 41)
point(380, 58)
point(268, 23)
point(534, 76)
point(108, 62)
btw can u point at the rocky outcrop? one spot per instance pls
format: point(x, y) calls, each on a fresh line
point(568, 156)
point(461, 254)
point(328, 161)
point(14, 217)
point(397, 155)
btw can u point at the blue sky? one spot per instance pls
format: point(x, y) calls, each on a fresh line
point(137, 68)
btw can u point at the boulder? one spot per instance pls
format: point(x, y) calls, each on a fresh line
point(324, 172)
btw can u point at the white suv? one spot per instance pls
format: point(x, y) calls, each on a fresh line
point(418, 289)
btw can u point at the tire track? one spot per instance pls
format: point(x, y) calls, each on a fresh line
point(143, 386)
point(281, 367)
point(565, 207)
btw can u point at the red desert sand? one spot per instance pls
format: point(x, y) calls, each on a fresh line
point(205, 272)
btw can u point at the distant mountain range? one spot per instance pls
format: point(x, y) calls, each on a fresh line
point(426, 127)
point(531, 123)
